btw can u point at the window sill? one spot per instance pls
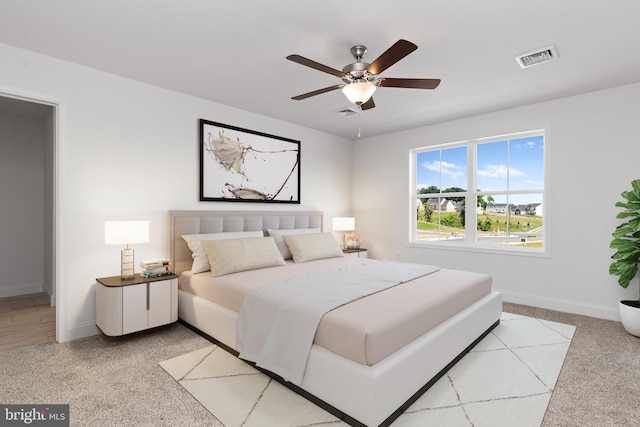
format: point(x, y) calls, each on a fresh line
point(480, 249)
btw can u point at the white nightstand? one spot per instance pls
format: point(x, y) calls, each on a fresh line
point(132, 305)
point(356, 253)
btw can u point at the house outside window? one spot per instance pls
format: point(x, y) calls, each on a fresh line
point(486, 194)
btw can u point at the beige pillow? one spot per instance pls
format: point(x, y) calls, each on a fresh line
point(234, 255)
point(200, 261)
point(307, 247)
point(282, 246)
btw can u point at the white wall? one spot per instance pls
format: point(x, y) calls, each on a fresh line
point(130, 151)
point(21, 204)
point(594, 150)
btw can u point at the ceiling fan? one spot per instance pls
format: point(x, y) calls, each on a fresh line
point(361, 79)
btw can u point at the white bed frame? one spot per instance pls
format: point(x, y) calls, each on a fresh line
point(359, 394)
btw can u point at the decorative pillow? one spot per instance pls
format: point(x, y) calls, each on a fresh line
point(282, 246)
point(233, 255)
point(307, 247)
point(200, 261)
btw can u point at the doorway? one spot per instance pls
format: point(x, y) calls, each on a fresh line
point(28, 130)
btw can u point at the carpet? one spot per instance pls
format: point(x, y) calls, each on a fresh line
point(505, 380)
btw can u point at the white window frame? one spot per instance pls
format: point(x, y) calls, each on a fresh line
point(470, 243)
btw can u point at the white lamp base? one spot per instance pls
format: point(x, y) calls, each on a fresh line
point(126, 263)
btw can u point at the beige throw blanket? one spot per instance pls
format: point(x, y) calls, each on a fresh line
point(277, 322)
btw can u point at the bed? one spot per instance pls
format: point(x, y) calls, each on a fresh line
point(384, 361)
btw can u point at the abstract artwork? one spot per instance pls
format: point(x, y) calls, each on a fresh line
point(241, 165)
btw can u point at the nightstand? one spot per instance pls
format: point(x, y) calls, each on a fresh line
point(132, 305)
point(356, 253)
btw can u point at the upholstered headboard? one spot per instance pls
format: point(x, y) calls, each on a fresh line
point(198, 222)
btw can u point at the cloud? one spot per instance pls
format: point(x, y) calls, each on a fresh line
point(526, 144)
point(445, 168)
point(499, 171)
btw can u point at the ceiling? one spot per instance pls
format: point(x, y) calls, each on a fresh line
point(234, 53)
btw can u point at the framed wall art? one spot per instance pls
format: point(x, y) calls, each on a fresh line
point(242, 165)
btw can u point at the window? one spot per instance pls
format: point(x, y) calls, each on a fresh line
point(487, 193)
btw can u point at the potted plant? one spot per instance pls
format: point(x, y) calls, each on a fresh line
point(626, 242)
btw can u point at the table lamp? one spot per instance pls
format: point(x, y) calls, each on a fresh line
point(126, 233)
point(344, 224)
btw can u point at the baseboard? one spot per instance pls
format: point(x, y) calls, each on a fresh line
point(591, 310)
point(21, 290)
point(77, 332)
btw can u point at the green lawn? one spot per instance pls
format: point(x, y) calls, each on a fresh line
point(518, 223)
point(498, 223)
point(422, 225)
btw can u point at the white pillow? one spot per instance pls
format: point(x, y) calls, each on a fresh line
point(307, 247)
point(282, 246)
point(234, 255)
point(200, 261)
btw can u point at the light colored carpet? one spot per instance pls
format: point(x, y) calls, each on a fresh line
point(106, 383)
point(506, 380)
point(122, 384)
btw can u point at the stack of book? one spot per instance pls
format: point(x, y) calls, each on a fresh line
point(155, 267)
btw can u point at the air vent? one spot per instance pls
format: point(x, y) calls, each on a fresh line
point(536, 57)
point(347, 111)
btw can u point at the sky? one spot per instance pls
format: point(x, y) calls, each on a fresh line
point(515, 164)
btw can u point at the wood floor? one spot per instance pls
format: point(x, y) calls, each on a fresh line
point(26, 320)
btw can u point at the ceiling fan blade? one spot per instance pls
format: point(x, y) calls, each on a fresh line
point(316, 92)
point(368, 105)
point(315, 65)
point(395, 53)
point(410, 83)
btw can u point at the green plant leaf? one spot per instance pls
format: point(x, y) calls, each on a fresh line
point(627, 214)
point(625, 272)
point(629, 248)
point(631, 205)
point(626, 249)
point(626, 276)
point(622, 230)
point(627, 195)
point(631, 196)
point(621, 244)
point(634, 224)
point(627, 255)
point(613, 269)
point(634, 194)
point(629, 258)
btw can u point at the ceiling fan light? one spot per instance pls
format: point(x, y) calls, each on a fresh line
point(359, 92)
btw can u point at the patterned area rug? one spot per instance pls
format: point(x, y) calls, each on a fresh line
point(505, 380)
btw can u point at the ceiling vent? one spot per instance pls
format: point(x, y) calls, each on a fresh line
point(536, 57)
point(347, 111)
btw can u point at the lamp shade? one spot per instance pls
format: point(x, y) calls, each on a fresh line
point(126, 232)
point(344, 224)
point(359, 92)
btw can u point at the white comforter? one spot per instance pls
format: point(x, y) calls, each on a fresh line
point(277, 323)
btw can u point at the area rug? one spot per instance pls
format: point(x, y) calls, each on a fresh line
point(505, 380)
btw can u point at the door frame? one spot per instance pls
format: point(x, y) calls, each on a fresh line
point(59, 273)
